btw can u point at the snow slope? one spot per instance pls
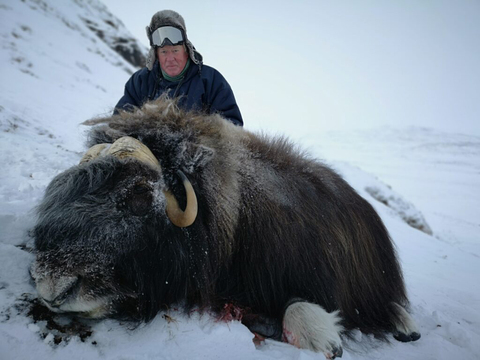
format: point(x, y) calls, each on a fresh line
point(57, 72)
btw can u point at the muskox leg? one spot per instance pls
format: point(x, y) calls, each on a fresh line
point(263, 326)
point(309, 326)
point(406, 329)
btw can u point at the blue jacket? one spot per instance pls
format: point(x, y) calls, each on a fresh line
point(203, 88)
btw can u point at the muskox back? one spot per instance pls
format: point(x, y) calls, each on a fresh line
point(274, 227)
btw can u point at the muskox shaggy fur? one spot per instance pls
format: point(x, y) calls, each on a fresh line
point(278, 234)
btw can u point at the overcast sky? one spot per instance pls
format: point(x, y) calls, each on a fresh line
point(302, 66)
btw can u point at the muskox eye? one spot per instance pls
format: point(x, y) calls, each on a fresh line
point(140, 199)
point(140, 189)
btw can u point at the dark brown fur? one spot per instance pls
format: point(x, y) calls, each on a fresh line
point(274, 224)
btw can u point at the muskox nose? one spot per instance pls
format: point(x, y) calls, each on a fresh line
point(55, 291)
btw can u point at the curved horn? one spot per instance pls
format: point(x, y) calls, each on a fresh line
point(94, 152)
point(175, 214)
point(123, 148)
point(127, 146)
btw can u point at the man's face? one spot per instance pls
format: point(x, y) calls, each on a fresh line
point(172, 59)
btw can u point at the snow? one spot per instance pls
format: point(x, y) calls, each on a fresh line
point(57, 73)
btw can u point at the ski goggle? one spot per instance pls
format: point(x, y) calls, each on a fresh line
point(167, 35)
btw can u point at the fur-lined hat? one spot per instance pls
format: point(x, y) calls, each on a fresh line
point(169, 18)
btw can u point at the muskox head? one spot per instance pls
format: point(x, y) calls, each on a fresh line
point(98, 227)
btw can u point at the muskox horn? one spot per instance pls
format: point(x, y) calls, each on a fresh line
point(175, 214)
point(126, 147)
point(94, 152)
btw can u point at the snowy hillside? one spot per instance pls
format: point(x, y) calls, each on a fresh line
point(56, 72)
point(64, 62)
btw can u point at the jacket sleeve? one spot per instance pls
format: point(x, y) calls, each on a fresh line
point(222, 100)
point(132, 94)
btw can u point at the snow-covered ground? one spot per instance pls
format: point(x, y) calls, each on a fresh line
point(56, 72)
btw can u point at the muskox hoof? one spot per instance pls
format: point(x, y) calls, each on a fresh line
point(336, 352)
point(406, 329)
point(263, 327)
point(407, 337)
point(309, 326)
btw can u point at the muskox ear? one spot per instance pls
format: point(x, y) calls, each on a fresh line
point(196, 157)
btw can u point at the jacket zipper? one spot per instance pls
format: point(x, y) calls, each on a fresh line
point(155, 87)
point(178, 87)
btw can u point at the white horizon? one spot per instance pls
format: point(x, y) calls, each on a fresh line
point(298, 67)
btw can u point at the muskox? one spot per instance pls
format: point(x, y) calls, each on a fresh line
point(173, 207)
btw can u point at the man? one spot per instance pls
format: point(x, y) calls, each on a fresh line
point(176, 69)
